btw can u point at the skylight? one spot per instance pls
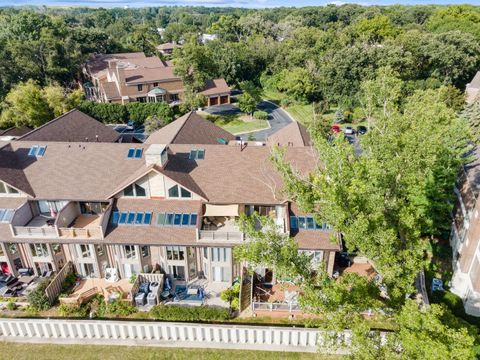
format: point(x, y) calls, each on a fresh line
point(177, 219)
point(37, 150)
point(197, 154)
point(134, 153)
point(131, 218)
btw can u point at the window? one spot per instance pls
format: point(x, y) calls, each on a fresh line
point(85, 251)
point(129, 251)
point(40, 250)
point(145, 251)
point(41, 151)
point(57, 249)
point(3, 189)
point(140, 87)
point(93, 208)
point(128, 191)
point(100, 250)
point(140, 191)
point(197, 154)
point(46, 207)
point(131, 218)
point(307, 222)
point(135, 190)
point(155, 84)
point(173, 191)
point(221, 254)
point(6, 215)
point(12, 248)
point(134, 153)
point(177, 219)
point(174, 97)
point(175, 253)
point(37, 150)
point(185, 193)
point(12, 190)
point(33, 151)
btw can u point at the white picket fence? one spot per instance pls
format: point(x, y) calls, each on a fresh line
point(108, 332)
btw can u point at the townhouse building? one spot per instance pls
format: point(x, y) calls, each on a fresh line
point(465, 237)
point(169, 204)
point(130, 77)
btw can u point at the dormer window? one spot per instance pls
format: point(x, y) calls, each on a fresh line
point(197, 154)
point(37, 150)
point(155, 84)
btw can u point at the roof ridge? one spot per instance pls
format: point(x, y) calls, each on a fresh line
point(49, 122)
point(183, 125)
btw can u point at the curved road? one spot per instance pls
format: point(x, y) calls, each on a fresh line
point(277, 117)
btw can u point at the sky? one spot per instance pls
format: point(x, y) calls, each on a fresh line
point(224, 3)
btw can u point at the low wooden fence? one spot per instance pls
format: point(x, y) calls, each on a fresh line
point(109, 332)
point(56, 285)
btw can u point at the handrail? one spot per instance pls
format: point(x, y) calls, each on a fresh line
point(220, 235)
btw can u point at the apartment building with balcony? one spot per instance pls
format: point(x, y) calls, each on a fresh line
point(135, 207)
point(131, 77)
point(465, 237)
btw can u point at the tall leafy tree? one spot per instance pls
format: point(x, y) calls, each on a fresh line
point(386, 200)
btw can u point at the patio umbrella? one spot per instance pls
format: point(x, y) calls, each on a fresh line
point(53, 214)
point(167, 284)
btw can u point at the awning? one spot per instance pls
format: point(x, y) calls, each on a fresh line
point(156, 91)
point(221, 210)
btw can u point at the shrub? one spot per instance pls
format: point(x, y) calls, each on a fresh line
point(231, 295)
point(121, 308)
point(11, 306)
point(453, 302)
point(184, 313)
point(37, 298)
point(72, 310)
point(108, 113)
point(260, 115)
point(139, 112)
point(69, 281)
point(286, 102)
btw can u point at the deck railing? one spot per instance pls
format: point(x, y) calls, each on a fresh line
point(210, 235)
point(33, 231)
point(83, 233)
point(259, 306)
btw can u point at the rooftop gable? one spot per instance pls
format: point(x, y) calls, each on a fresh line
point(72, 126)
point(190, 128)
point(294, 134)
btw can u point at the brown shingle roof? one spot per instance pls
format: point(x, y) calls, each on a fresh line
point(99, 62)
point(15, 131)
point(168, 46)
point(215, 87)
point(190, 128)
point(67, 171)
point(72, 126)
point(153, 234)
point(231, 175)
point(110, 90)
point(294, 134)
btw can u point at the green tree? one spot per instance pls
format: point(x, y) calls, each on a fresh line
point(298, 84)
point(61, 100)
point(383, 93)
point(247, 103)
point(376, 29)
point(26, 104)
point(471, 114)
point(428, 333)
point(385, 201)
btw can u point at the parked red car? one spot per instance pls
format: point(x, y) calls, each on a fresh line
point(336, 129)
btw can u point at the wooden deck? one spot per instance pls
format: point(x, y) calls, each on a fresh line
point(86, 221)
point(89, 287)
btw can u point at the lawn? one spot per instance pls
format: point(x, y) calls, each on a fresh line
point(234, 124)
point(25, 351)
point(303, 113)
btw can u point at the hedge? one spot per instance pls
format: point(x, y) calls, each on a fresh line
point(260, 115)
point(110, 113)
point(189, 313)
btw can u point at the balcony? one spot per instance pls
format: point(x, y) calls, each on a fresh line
point(84, 227)
point(220, 236)
point(73, 224)
point(38, 227)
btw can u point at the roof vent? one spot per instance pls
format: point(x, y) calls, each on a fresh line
point(156, 154)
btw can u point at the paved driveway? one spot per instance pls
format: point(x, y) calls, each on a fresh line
point(277, 117)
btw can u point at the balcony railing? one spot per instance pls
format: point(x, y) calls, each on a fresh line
point(32, 231)
point(211, 235)
point(86, 233)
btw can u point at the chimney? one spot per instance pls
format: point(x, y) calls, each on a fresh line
point(156, 154)
point(112, 64)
